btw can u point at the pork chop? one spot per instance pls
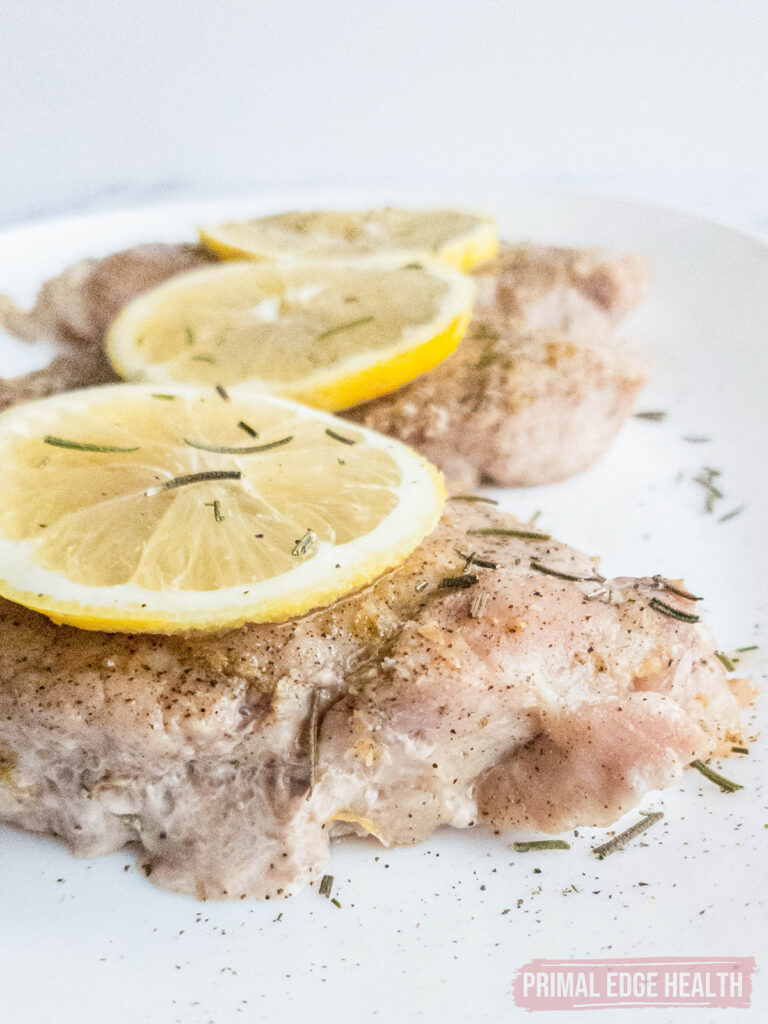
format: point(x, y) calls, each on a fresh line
point(535, 392)
point(513, 689)
point(582, 291)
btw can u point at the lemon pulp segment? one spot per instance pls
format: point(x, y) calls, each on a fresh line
point(331, 335)
point(130, 509)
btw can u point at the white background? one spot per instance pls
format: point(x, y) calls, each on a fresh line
point(103, 104)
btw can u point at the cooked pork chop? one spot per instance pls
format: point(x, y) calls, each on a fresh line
point(512, 406)
point(535, 393)
point(582, 291)
point(513, 698)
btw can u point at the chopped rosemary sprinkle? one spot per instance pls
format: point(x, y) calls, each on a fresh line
point(345, 327)
point(195, 478)
point(534, 517)
point(339, 437)
point(303, 544)
point(563, 575)
point(693, 439)
point(656, 416)
point(314, 711)
point(336, 903)
point(672, 613)
point(165, 398)
point(541, 844)
point(706, 481)
point(740, 750)
point(326, 884)
point(726, 661)
point(472, 559)
point(413, 266)
point(492, 531)
point(218, 515)
point(189, 335)
point(752, 647)
point(719, 780)
point(478, 605)
point(221, 391)
point(666, 585)
point(472, 497)
point(222, 449)
point(82, 446)
point(469, 579)
point(249, 430)
point(648, 819)
point(204, 357)
point(732, 514)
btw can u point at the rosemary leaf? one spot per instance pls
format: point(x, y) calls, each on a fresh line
point(195, 478)
point(726, 661)
point(249, 430)
point(752, 647)
point(81, 446)
point(472, 559)
point(336, 903)
point(326, 885)
point(221, 391)
point(564, 575)
point(189, 335)
point(345, 327)
point(218, 515)
point(541, 844)
point(666, 585)
point(648, 819)
point(458, 582)
point(656, 416)
point(204, 357)
point(222, 449)
point(719, 780)
point(492, 531)
point(732, 514)
point(472, 497)
point(740, 750)
point(165, 398)
point(672, 613)
point(339, 437)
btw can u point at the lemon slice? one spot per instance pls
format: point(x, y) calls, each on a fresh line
point(328, 334)
point(458, 237)
point(127, 509)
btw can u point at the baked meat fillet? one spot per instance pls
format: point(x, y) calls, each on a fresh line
point(516, 688)
point(535, 393)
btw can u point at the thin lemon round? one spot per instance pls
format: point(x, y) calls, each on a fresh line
point(459, 237)
point(331, 334)
point(129, 509)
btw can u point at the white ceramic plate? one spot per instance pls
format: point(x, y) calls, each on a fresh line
point(422, 934)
